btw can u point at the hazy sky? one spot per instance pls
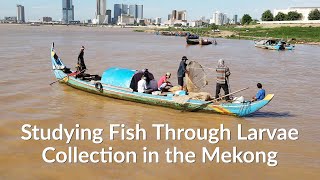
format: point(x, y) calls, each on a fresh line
point(85, 9)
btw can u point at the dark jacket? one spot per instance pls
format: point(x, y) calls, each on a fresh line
point(81, 61)
point(182, 69)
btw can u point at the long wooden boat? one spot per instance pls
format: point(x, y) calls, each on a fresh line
point(115, 83)
point(192, 36)
point(193, 41)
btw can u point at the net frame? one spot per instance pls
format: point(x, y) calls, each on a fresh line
point(196, 78)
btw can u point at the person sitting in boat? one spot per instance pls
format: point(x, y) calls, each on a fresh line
point(223, 73)
point(81, 66)
point(164, 84)
point(153, 84)
point(142, 86)
point(261, 94)
point(182, 70)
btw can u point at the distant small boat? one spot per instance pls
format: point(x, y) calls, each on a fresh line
point(192, 41)
point(168, 33)
point(191, 36)
point(197, 41)
point(205, 42)
point(273, 44)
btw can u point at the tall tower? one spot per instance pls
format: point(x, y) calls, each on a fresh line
point(133, 11)
point(174, 15)
point(139, 11)
point(108, 13)
point(20, 14)
point(101, 11)
point(67, 11)
point(101, 7)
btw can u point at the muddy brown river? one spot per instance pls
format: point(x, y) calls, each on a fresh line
point(27, 98)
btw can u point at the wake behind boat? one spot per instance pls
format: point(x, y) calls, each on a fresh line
point(119, 83)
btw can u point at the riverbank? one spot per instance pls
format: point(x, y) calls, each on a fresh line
point(293, 34)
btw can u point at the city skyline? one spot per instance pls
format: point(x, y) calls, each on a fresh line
point(36, 9)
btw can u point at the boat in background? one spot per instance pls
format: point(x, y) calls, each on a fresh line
point(119, 83)
point(205, 42)
point(273, 44)
point(193, 41)
point(191, 36)
point(199, 41)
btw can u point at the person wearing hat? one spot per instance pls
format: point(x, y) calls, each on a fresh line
point(182, 70)
point(81, 66)
point(164, 83)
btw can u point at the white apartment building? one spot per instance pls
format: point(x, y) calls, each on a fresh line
point(219, 18)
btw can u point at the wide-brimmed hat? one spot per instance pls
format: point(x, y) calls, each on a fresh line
point(184, 58)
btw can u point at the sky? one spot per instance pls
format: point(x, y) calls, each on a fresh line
point(85, 9)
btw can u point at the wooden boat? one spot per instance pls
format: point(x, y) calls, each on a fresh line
point(273, 44)
point(193, 41)
point(205, 42)
point(191, 36)
point(115, 83)
point(197, 41)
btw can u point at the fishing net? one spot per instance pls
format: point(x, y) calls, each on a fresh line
point(196, 77)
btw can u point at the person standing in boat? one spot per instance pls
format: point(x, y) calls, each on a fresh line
point(261, 94)
point(223, 73)
point(182, 70)
point(81, 66)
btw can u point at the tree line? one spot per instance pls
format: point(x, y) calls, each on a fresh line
point(291, 16)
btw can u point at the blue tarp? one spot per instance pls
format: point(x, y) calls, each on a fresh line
point(119, 77)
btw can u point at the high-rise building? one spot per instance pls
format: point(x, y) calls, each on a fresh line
point(136, 11)
point(169, 16)
point(133, 11)
point(101, 12)
point(235, 19)
point(67, 11)
point(119, 9)
point(139, 11)
point(20, 14)
point(220, 18)
point(116, 12)
point(174, 15)
point(101, 7)
point(182, 15)
point(125, 9)
point(108, 13)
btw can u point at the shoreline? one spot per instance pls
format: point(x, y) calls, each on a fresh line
point(295, 34)
point(249, 32)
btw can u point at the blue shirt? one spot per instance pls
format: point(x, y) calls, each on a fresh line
point(261, 94)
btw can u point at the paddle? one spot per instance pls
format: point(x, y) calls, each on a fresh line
point(214, 100)
point(71, 74)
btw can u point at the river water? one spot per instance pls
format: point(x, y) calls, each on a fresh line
point(26, 97)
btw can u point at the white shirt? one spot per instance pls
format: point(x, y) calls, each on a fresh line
point(142, 85)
